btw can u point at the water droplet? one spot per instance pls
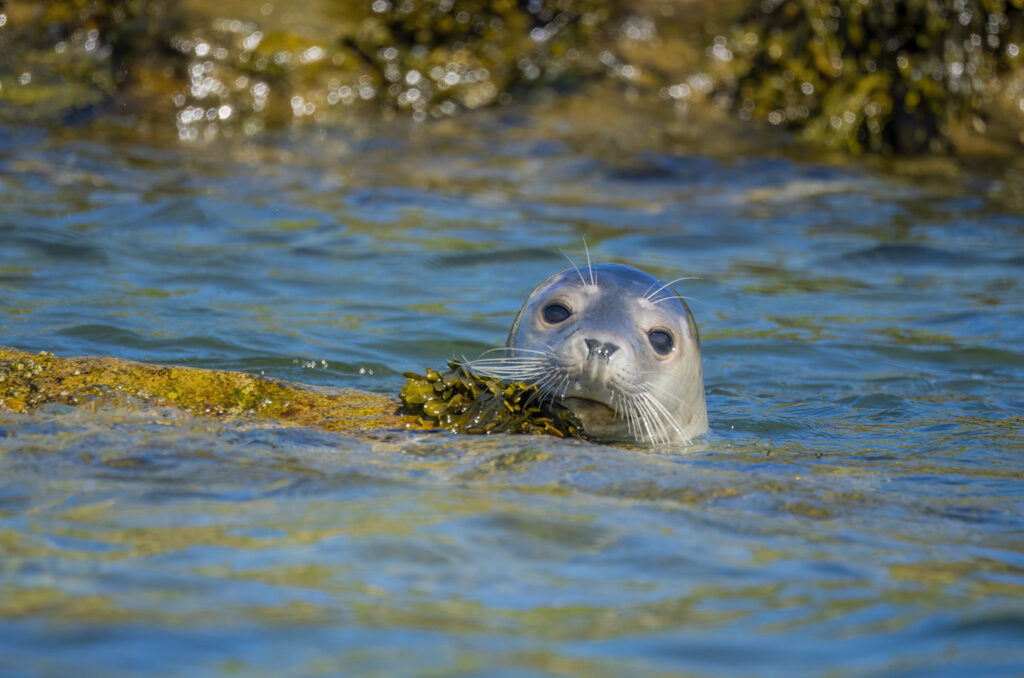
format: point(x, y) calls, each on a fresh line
point(252, 41)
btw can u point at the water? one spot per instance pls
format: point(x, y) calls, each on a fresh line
point(857, 510)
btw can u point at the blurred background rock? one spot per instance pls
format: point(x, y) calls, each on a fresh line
point(894, 77)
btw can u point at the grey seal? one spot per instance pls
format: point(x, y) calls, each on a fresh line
point(618, 347)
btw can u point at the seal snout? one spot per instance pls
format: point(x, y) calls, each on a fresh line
point(600, 349)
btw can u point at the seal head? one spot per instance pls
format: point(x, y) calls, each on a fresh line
point(619, 348)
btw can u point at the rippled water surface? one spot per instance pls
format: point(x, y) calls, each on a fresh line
point(857, 510)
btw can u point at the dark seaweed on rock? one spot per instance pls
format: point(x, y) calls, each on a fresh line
point(892, 76)
point(463, 402)
point(472, 52)
point(63, 56)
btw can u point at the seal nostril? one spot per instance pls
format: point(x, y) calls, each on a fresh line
point(600, 349)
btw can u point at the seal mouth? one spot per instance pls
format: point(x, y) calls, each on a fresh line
point(586, 403)
point(595, 415)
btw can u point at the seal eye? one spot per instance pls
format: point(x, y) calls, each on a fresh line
point(556, 313)
point(661, 341)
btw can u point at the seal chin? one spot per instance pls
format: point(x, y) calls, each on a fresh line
point(599, 420)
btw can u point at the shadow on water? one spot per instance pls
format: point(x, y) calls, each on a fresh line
point(855, 511)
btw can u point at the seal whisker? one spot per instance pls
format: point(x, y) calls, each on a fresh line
point(675, 296)
point(621, 413)
point(524, 377)
point(624, 412)
point(563, 383)
point(538, 394)
point(543, 387)
point(575, 267)
point(559, 387)
point(519, 349)
point(633, 403)
point(655, 428)
point(498, 370)
point(651, 296)
point(509, 370)
point(514, 371)
point(518, 365)
point(492, 350)
point(662, 391)
point(590, 266)
point(634, 418)
point(511, 361)
point(647, 403)
point(548, 383)
point(549, 386)
point(514, 359)
point(489, 365)
point(648, 422)
point(525, 360)
point(683, 405)
point(665, 416)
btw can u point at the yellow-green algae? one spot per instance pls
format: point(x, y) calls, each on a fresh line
point(29, 380)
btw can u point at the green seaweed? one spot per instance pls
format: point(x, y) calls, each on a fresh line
point(462, 401)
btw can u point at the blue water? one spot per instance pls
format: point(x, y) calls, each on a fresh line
point(858, 509)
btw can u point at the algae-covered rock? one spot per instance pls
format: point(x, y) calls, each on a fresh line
point(456, 400)
point(461, 401)
point(28, 381)
point(895, 76)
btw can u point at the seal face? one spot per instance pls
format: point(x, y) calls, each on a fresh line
point(618, 347)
